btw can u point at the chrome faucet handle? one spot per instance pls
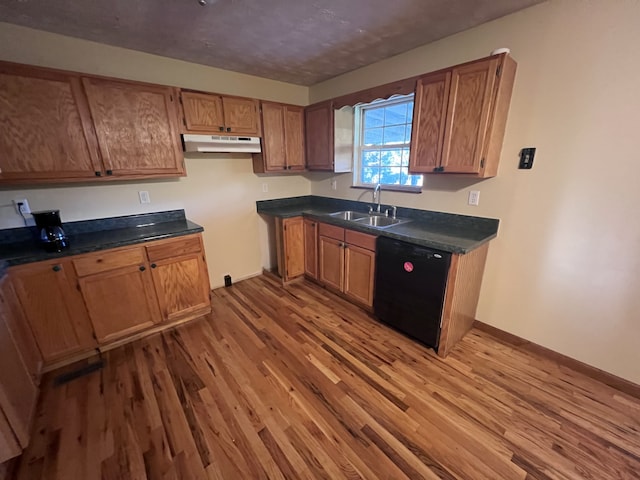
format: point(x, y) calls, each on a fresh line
point(393, 209)
point(370, 210)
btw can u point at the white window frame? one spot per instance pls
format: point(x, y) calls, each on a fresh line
point(358, 148)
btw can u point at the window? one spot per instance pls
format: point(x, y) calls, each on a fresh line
point(381, 144)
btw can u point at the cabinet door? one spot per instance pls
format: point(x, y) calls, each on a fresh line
point(18, 392)
point(331, 262)
point(182, 286)
point(202, 112)
point(273, 139)
point(9, 446)
point(54, 308)
point(310, 248)
point(136, 127)
point(241, 116)
point(294, 137)
point(468, 111)
point(429, 119)
point(46, 127)
point(359, 274)
point(120, 302)
point(293, 241)
point(319, 135)
point(20, 330)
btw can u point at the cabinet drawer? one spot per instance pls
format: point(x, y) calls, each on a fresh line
point(176, 248)
point(108, 260)
point(361, 239)
point(331, 231)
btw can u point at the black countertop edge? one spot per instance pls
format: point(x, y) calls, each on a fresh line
point(443, 231)
point(28, 252)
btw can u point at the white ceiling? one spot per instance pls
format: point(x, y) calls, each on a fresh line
point(296, 41)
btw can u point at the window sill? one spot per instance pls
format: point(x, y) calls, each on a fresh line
point(391, 188)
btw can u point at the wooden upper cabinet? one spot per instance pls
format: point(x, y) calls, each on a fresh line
point(429, 119)
point(282, 139)
point(460, 117)
point(319, 136)
point(202, 112)
point(273, 155)
point(294, 135)
point(223, 115)
point(468, 113)
point(49, 296)
point(136, 127)
point(241, 116)
point(46, 126)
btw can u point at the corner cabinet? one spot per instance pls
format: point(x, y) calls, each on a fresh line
point(283, 141)
point(319, 131)
point(219, 114)
point(460, 117)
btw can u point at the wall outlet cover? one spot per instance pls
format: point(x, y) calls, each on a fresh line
point(144, 196)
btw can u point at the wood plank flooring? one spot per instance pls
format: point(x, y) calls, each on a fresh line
point(296, 383)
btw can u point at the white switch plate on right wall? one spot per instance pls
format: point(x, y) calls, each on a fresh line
point(474, 197)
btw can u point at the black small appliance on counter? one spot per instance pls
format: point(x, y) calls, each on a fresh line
point(50, 232)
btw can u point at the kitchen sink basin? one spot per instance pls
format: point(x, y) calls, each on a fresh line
point(378, 221)
point(349, 215)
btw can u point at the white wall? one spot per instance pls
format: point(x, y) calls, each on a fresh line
point(565, 269)
point(219, 192)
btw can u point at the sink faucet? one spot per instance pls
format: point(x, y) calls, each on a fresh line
point(376, 196)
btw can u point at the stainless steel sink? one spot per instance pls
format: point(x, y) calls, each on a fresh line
point(349, 215)
point(378, 221)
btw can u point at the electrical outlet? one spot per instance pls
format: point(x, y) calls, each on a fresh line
point(334, 184)
point(22, 206)
point(144, 196)
point(265, 187)
point(474, 197)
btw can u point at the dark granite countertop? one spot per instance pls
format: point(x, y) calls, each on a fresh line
point(444, 231)
point(19, 245)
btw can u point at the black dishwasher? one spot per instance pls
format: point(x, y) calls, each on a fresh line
point(410, 287)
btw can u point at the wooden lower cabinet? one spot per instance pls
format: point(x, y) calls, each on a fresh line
point(180, 278)
point(93, 300)
point(121, 301)
point(347, 262)
point(310, 248)
point(19, 375)
point(54, 307)
point(290, 247)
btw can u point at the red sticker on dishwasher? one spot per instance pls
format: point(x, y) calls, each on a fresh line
point(408, 266)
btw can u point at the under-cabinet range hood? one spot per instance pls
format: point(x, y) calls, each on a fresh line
point(220, 144)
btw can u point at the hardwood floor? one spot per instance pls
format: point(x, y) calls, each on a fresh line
point(297, 383)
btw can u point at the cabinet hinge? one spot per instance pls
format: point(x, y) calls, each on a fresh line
point(171, 97)
point(284, 227)
point(482, 163)
point(180, 99)
point(498, 70)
